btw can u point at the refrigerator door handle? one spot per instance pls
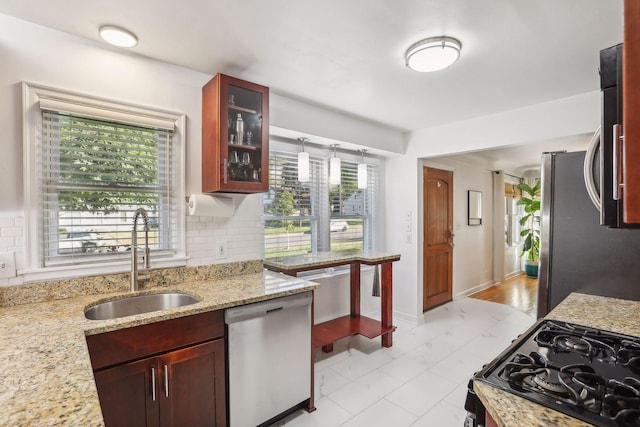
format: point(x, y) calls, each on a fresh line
point(589, 159)
point(617, 161)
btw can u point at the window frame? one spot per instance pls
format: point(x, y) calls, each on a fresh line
point(369, 198)
point(323, 219)
point(513, 213)
point(92, 106)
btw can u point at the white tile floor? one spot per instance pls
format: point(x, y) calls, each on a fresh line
point(421, 380)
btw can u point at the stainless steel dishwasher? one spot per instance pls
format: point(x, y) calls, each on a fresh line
point(269, 346)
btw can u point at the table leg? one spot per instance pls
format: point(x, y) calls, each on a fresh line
point(355, 289)
point(386, 296)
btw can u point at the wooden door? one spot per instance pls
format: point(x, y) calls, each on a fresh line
point(127, 394)
point(438, 237)
point(192, 386)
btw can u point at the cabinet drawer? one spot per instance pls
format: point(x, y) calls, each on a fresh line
point(112, 348)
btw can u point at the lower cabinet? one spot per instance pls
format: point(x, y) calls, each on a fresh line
point(180, 388)
point(168, 374)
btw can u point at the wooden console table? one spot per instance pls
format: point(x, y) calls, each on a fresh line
point(325, 334)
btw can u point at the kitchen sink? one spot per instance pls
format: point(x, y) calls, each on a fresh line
point(138, 304)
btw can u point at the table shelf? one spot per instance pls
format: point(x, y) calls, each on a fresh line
point(327, 333)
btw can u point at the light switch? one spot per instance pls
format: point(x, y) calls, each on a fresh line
point(408, 216)
point(407, 227)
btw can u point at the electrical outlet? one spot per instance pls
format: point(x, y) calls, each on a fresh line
point(7, 265)
point(221, 250)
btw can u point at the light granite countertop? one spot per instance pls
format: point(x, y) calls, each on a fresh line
point(611, 314)
point(46, 377)
point(326, 259)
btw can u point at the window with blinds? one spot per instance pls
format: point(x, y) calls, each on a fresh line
point(352, 210)
point(291, 208)
point(307, 217)
point(94, 175)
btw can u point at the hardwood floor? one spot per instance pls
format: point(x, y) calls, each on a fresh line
point(520, 292)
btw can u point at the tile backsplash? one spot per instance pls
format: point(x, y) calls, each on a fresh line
point(243, 234)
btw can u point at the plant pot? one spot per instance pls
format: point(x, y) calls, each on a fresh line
point(531, 269)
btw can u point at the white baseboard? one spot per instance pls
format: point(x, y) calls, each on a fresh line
point(512, 274)
point(478, 288)
point(414, 320)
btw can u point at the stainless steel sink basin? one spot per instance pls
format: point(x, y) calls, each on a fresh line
point(138, 304)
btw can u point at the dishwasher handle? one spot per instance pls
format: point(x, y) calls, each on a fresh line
point(260, 309)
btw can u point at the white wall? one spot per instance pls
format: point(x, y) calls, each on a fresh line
point(332, 299)
point(40, 55)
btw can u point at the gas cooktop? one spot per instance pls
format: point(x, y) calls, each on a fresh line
point(586, 373)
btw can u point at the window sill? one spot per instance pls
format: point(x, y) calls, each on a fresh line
point(68, 272)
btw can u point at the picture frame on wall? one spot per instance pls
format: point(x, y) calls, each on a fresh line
point(475, 207)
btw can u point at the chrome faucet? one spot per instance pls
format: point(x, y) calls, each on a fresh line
point(135, 278)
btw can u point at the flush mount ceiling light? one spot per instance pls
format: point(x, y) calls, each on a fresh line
point(118, 36)
point(303, 163)
point(433, 54)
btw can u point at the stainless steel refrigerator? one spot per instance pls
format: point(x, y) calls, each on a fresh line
point(577, 253)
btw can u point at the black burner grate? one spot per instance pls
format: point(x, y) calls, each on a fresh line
point(583, 372)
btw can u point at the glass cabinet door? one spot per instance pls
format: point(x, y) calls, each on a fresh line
point(235, 139)
point(244, 135)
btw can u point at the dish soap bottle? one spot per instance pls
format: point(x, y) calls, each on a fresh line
point(240, 129)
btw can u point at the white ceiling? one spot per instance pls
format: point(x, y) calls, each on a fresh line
point(348, 54)
point(522, 160)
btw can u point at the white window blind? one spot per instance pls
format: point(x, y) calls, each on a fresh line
point(292, 209)
point(315, 216)
point(94, 174)
point(353, 209)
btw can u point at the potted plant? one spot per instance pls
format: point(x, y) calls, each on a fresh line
point(531, 247)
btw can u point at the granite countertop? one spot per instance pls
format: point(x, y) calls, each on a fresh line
point(327, 259)
point(46, 372)
point(611, 314)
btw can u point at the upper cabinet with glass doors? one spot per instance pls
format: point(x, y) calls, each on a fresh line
point(235, 136)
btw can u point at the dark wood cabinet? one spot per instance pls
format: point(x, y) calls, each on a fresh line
point(126, 394)
point(235, 136)
point(170, 373)
point(631, 111)
point(182, 387)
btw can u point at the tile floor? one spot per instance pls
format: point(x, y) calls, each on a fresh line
point(421, 380)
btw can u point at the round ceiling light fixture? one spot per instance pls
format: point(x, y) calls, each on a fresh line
point(433, 54)
point(118, 36)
